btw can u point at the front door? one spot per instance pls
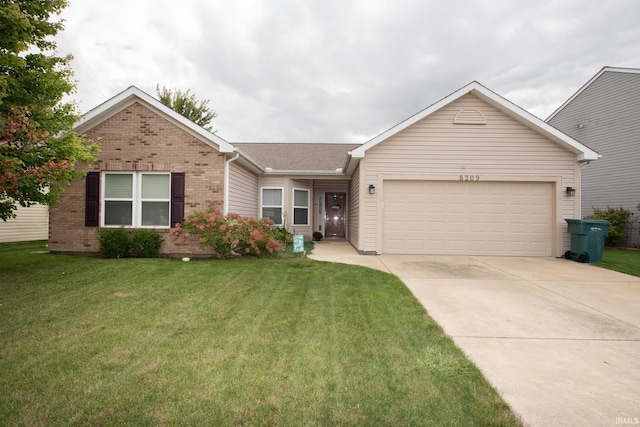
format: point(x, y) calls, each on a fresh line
point(334, 214)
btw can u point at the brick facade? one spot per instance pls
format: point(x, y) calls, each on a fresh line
point(138, 139)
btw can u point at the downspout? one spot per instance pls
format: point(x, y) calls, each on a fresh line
point(226, 182)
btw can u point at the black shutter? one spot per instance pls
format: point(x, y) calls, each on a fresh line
point(177, 198)
point(92, 200)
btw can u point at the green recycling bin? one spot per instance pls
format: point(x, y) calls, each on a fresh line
point(587, 239)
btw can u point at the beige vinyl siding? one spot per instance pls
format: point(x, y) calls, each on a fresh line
point(244, 196)
point(30, 224)
point(355, 191)
point(272, 181)
point(321, 186)
point(370, 209)
point(436, 148)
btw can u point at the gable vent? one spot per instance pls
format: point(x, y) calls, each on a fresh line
point(469, 116)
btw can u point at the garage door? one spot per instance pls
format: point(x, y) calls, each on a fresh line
point(468, 218)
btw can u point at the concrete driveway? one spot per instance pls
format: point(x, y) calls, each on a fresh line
point(558, 339)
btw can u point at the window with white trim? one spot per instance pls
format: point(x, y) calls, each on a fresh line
point(271, 204)
point(300, 207)
point(136, 199)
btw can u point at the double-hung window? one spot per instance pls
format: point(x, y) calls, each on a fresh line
point(300, 207)
point(155, 198)
point(118, 199)
point(136, 199)
point(271, 204)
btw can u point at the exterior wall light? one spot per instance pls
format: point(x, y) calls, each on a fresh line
point(372, 189)
point(571, 192)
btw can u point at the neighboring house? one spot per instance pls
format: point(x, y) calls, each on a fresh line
point(604, 115)
point(471, 175)
point(30, 224)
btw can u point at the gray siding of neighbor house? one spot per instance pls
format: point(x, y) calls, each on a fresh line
point(244, 194)
point(605, 116)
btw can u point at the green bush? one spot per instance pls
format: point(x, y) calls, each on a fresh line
point(283, 236)
point(120, 243)
point(145, 243)
point(115, 242)
point(618, 218)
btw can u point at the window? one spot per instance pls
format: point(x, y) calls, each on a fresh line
point(155, 199)
point(272, 204)
point(136, 199)
point(118, 199)
point(300, 207)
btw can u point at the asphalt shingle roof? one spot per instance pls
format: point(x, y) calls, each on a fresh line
point(298, 156)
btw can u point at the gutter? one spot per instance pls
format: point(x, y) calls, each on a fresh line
point(303, 172)
point(226, 182)
point(349, 163)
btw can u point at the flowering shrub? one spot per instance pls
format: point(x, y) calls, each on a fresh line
point(232, 234)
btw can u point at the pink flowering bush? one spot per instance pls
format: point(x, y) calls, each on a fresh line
point(232, 234)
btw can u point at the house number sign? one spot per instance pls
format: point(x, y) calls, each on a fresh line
point(469, 177)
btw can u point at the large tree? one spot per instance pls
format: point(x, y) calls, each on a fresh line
point(38, 149)
point(186, 104)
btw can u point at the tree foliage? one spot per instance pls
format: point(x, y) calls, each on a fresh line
point(38, 148)
point(186, 104)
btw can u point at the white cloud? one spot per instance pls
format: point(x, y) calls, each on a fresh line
point(343, 71)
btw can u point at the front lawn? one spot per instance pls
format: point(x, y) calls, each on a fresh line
point(284, 341)
point(625, 261)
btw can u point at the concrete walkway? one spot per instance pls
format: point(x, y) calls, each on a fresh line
point(559, 340)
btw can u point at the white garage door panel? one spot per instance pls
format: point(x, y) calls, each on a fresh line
point(468, 218)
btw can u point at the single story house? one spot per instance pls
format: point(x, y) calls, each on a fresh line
point(603, 114)
point(473, 174)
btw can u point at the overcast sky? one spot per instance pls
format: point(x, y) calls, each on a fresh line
point(343, 70)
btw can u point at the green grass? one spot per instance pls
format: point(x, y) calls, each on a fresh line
point(284, 341)
point(625, 261)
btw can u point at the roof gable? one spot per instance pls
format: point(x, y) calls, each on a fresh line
point(131, 95)
point(582, 152)
point(590, 82)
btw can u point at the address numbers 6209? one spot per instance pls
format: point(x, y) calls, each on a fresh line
point(469, 177)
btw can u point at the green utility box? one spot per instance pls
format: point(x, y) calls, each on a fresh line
point(587, 239)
